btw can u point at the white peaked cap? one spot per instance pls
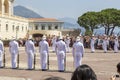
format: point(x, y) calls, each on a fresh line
point(104, 35)
point(115, 35)
point(67, 35)
point(80, 34)
point(78, 38)
point(60, 37)
point(44, 37)
point(93, 35)
point(54, 34)
point(30, 37)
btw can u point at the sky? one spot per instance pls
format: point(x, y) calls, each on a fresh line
point(67, 8)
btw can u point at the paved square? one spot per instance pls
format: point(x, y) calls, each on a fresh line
point(104, 65)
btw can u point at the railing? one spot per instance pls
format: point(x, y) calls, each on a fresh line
point(6, 15)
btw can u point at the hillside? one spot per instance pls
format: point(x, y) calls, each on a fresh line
point(25, 12)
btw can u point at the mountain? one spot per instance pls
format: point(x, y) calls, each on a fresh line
point(70, 20)
point(25, 12)
point(70, 23)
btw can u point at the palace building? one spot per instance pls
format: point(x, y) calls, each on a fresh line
point(19, 27)
point(46, 26)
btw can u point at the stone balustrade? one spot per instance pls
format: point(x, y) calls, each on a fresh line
point(6, 15)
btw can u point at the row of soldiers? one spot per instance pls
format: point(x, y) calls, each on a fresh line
point(60, 50)
point(94, 42)
point(59, 46)
point(106, 43)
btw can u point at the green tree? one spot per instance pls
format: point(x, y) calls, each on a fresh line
point(109, 19)
point(89, 21)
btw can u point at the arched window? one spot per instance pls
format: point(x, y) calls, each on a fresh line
point(22, 28)
point(43, 27)
point(6, 27)
point(36, 27)
point(13, 28)
point(56, 27)
point(6, 6)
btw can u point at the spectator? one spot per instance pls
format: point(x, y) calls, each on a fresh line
point(118, 70)
point(84, 72)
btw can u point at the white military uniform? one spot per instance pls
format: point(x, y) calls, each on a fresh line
point(54, 40)
point(44, 52)
point(92, 43)
point(105, 44)
point(61, 54)
point(13, 48)
point(67, 41)
point(78, 52)
point(81, 38)
point(1, 53)
point(116, 45)
point(30, 50)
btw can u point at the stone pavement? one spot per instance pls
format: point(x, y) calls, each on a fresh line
point(12, 78)
point(104, 65)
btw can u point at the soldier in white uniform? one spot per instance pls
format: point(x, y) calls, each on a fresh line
point(1, 53)
point(13, 48)
point(54, 40)
point(105, 44)
point(61, 54)
point(116, 45)
point(81, 38)
point(44, 52)
point(78, 52)
point(67, 41)
point(30, 50)
point(92, 44)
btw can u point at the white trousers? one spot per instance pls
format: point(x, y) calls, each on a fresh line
point(92, 47)
point(115, 48)
point(78, 60)
point(1, 59)
point(61, 60)
point(44, 58)
point(30, 60)
point(53, 46)
point(104, 47)
point(68, 48)
point(14, 60)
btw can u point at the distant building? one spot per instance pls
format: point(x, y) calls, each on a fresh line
point(11, 25)
point(20, 27)
point(45, 26)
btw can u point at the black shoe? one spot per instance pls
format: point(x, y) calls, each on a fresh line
point(14, 68)
point(2, 67)
point(105, 52)
point(61, 70)
point(29, 69)
point(44, 69)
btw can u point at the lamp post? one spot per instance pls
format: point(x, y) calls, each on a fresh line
point(17, 27)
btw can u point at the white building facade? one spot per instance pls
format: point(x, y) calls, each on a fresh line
point(19, 27)
point(10, 25)
point(45, 26)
